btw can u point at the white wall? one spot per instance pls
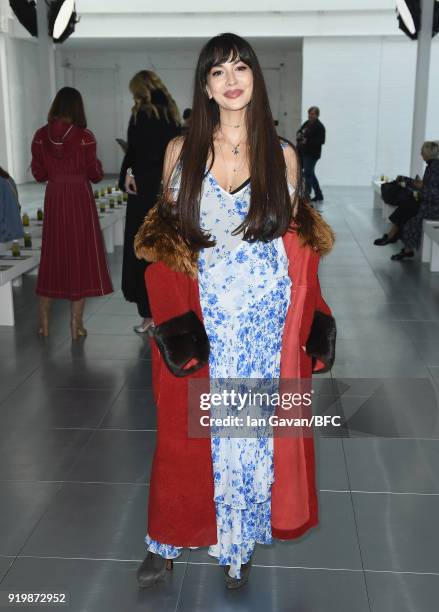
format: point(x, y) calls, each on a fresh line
point(26, 113)
point(365, 89)
point(177, 72)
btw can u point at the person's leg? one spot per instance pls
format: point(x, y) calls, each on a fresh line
point(318, 195)
point(76, 324)
point(158, 560)
point(44, 308)
point(307, 164)
point(145, 312)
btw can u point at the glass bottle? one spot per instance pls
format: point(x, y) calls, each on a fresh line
point(27, 240)
point(25, 220)
point(15, 249)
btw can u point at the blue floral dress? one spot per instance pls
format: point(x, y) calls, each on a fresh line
point(244, 294)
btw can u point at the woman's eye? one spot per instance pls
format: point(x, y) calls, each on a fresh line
point(242, 67)
point(216, 72)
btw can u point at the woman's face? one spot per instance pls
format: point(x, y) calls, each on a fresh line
point(230, 85)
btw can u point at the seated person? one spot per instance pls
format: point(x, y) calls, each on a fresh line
point(10, 221)
point(411, 233)
point(407, 205)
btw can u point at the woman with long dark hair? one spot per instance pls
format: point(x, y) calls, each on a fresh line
point(73, 262)
point(227, 234)
point(154, 121)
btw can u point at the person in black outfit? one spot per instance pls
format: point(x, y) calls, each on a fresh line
point(310, 139)
point(155, 120)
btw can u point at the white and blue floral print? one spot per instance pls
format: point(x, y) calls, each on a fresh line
point(244, 294)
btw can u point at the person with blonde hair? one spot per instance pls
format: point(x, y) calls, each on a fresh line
point(154, 121)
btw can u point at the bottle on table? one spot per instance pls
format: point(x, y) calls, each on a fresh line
point(27, 240)
point(25, 220)
point(40, 214)
point(15, 249)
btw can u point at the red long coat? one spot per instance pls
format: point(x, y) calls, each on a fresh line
point(73, 260)
point(181, 508)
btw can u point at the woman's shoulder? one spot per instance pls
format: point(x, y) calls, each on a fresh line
point(87, 136)
point(172, 153)
point(40, 134)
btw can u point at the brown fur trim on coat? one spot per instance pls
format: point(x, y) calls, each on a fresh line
point(158, 239)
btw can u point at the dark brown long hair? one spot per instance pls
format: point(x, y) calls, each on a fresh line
point(68, 105)
point(270, 210)
point(3, 173)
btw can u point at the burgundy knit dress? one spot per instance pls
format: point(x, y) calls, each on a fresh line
point(73, 259)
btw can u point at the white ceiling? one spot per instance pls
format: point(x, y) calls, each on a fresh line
point(170, 44)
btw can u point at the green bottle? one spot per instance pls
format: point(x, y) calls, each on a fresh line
point(15, 249)
point(25, 220)
point(40, 214)
point(111, 202)
point(27, 240)
point(102, 207)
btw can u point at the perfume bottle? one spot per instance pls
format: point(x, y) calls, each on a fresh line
point(40, 214)
point(15, 249)
point(25, 220)
point(27, 240)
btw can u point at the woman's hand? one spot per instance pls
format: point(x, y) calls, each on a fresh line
point(130, 184)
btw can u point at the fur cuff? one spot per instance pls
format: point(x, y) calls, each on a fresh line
point(183, 341)
point(321, 341)
point(159, 240)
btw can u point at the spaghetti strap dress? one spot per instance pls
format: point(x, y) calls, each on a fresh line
point(244, 294)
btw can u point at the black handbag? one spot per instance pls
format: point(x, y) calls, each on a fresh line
point(321, 340)
point(181, 340)
point(392, 192)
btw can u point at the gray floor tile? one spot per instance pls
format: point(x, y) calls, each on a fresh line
point(139, 376)
point(384, 331)
point(398, 532)
point(112, 324)
point(116, 456)
point(102, 346)
point(133, 409)
point(274, 589)
point(118, 306)
point(422, 331)
point(82, 374)
point(45, 454)
point(402, 592)
point(43, 408)
point(428, 352)
point(95, 586)
point(22, 505)
point(331, 467)
point(399, 466)
point(5, 564)
point(392, 410)
point(97, 521)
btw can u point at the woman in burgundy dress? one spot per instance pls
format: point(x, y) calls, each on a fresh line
point(73, 261)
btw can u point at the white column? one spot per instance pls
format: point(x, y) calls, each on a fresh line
point(421, 86)
point(46, 53)
point(6, 160)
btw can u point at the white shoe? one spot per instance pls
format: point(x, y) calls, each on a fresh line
point(144, 326)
